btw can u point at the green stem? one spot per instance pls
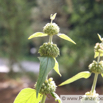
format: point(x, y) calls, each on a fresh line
point(98, 58)
point(50, 38)
point(51, 21)
point(95, 77)
point(94, 82)
point(43, 99)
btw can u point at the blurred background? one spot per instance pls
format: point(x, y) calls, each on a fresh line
point(81, 20)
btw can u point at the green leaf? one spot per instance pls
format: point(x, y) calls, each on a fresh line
point(28, 95)
point(102, 74)
point(57, 98)
point(46, 64)
point(97, 54)
point(56, 67)
point(99, 37)
point(52, 17)
point(63, 36)
point(37, 34)
point(85, 74)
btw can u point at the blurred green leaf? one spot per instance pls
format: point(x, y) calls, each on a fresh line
point(56, 67)
point(85, 74)
point(52, 17)
point(38, 34)
point(63, 36)
point(102, 74)
point(46, 64)
point(28, 95)
point(99, 37)
point(97, 54)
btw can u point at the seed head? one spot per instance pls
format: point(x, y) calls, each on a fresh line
point(51, 29)
point(98, 47)
point(95, 67)
point(48, 87)
point(90, 97)
point(49, 50)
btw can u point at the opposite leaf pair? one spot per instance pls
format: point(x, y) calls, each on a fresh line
point(51, 29)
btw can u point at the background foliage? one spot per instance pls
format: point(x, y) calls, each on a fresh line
point(79, 19)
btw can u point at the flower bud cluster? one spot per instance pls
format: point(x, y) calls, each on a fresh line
point(96, 67)
point(48, 87)
point(51, 29)
point(90, 97)
point(98, 47)
point(49, 50)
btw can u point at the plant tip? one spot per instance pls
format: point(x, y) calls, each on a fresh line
point(52, 17)
point(99, 37)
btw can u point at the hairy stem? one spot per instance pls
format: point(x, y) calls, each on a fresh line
point(43, 99)
point(94, 82)
point(95, 77)
point(98, 58)
point(50, 38)
point(51, 21)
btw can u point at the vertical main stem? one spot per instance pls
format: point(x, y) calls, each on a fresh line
point(50, 38)
point(43, 99)
point(98, 58)
point(95, 77)
point(94, 82)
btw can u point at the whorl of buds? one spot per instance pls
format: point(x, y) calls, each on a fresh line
point(49, 50)
point(48, 87)
point(99, 47)
point(51, 29)
point(95, 67)
point(90, 97)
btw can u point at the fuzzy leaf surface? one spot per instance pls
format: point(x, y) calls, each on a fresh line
point(99, 37)
point(28, 95)
point(97, 54)
point(102, 74)
point(37, 34)
point(46, 64)
point(63, 36)
point(85, 74)
point(52, 17)
point(56, 67)
point(57, 98)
